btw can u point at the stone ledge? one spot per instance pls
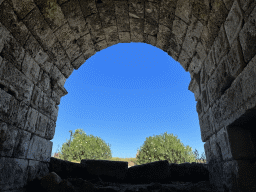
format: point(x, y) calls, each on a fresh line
point(118, 171)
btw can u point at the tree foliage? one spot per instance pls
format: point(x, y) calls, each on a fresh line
point(164, 147)
point(83, 146)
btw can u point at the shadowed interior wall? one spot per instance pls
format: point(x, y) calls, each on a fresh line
point(43, 41)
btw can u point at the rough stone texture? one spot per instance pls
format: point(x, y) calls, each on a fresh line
point(42, 42)
point(98, 175)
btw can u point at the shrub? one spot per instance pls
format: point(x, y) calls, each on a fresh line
point(164, 147)
point(84, 147)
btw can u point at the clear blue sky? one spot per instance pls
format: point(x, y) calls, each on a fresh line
point(125, 93)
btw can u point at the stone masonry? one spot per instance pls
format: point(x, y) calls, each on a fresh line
point(43, 41)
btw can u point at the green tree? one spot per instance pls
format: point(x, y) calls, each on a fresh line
point(164, 147)
point(82, 146)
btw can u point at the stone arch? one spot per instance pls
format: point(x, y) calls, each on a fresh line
point(43, 41)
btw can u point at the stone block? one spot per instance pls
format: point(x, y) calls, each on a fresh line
point(248, 80)
point(37, 169)
point(14, 25)
point(112, 37)
point(201, 10)
point(13, 52)
point(216, 173)
point(183, 10)
point(46, 105)
point(210, 62)
point(215, 148)
point(4, 37)
point(234, 22)
point(57, 92)
point(105, 168)
point(17, 82)
point(31, 120)
point(136, 9)
point(95, 27)
point(107, 15)
point(58, 53)
point(221, 46)
point(223, 140)
point(199, 107)
point(44, 82)
point(124, 37)
point(229, 173)
point(50, 130)
point(217, 17)
point(163, 38)
point(123, 24)
point(13, 112)
point(37, 92)
point(19, 114)
point(13, 173)
point(206, 126)
point(149, 39)
point(179, 29)
point(121, 8)
point(194, 87)
point(35, 50)
point(21, 7)
point(216, 115)
point(39, 28)
point(89, 53)
point(39, 149)
point(151, 18)
point(57, 75)
point(8, 136)
point(184, 60)
point(54, 113)
point(73, 51)
point(74, 16)
point(30, 68)
point(207, 38)
point(236, 62)
point(21, 144)
point(232, 99)
point(101, 45)
point(67, 70)
point(167, 13)
point(48, 42)
point(136, 29)
point(78, 62)
point(196, 64)
point(5, 101)
point(85, 43)
point(219, 82)
point(50, 9)
point(247, 37)
point(47, 65)
point(65, 35)
point(192, 37)
point(64, 61)
point(88, 7)
point(205, 100)
point(207, 149)
point(41, 125)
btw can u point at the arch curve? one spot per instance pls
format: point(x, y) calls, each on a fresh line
point(43, 41)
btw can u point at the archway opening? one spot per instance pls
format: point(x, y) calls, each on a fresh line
point(126, 93)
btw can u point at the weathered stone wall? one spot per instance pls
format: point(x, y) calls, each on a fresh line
point(43, 41)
